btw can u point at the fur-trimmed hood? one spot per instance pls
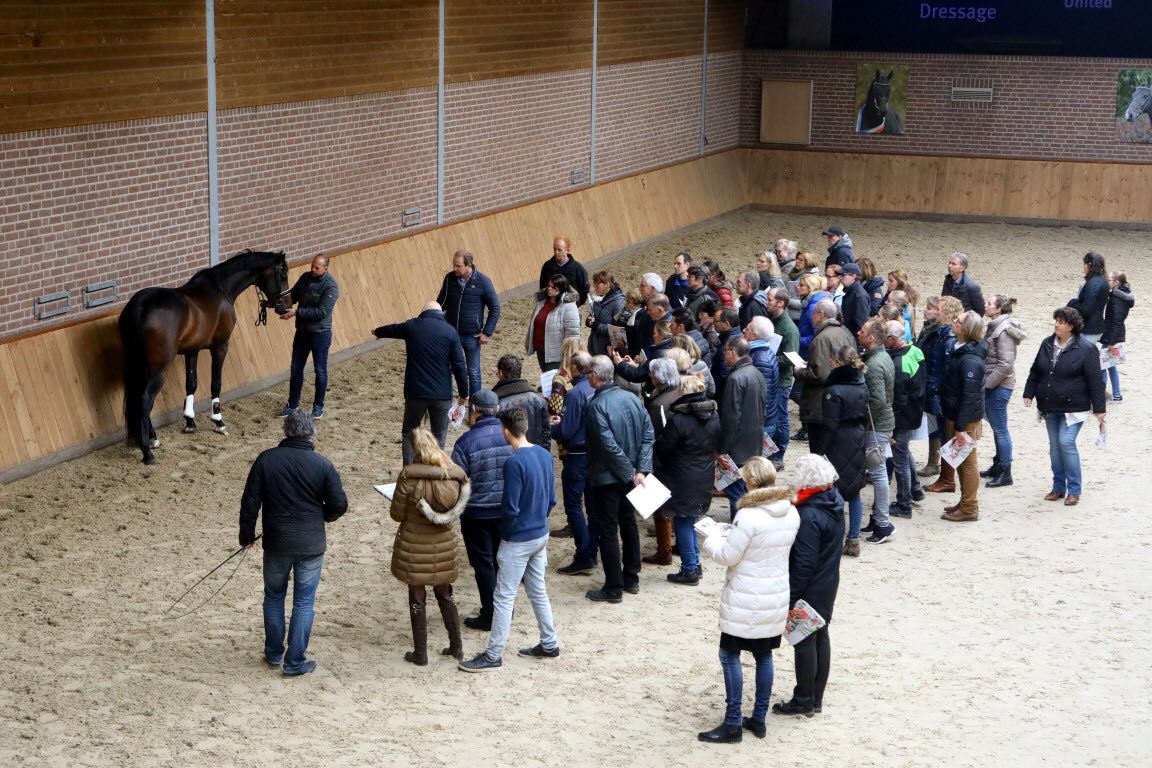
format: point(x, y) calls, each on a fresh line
point(775, 499)
point(1006, 324)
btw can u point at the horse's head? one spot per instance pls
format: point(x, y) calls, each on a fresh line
point(1140, 104)
point(272, 283)
point(879, 92)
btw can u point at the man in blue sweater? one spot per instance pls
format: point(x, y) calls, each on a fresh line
point(568, 430)
point(529, 495)
point(481, 452)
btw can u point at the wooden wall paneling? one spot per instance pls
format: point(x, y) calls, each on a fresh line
point(485, 40)
point(642, 30)
point(275, 52)
point(18, 417)
point(74, 63)
point(725, 25)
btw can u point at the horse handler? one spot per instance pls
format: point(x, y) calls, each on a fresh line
point(315, 295)
point(299, 491)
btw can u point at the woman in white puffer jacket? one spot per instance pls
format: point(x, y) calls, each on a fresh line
point(755, 601)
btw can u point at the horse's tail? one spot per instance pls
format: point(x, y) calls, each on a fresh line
point(135, 370)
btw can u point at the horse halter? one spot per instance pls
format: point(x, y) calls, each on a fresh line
point(266, 302)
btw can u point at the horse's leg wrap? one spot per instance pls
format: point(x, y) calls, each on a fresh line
point(218, 417)
point(190, 413)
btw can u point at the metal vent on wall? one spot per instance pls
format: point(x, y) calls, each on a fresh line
point(970, 95)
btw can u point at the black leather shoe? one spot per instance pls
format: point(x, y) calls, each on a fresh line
point(1001, 480)
point(600, 596)
point(792, 707)
point(632, 589)
point(575, 569)
point(475, 622)
point(992, 471)
point(758, 728)
point(722, 734)
point(691, 578)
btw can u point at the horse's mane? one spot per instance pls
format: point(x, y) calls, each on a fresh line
point(245, 260)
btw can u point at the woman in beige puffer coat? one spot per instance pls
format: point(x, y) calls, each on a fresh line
point(431, 492)
point(1002, 336)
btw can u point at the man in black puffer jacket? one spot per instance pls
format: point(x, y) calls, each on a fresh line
point(814, 577)
point(434, 358)
point(299, 491)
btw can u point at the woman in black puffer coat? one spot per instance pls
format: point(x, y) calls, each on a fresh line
point(1120, 300)
point(1093, 297)
point(962, 405)
point(845, 419)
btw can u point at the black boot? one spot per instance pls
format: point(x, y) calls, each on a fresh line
point(871, 525)
point(722, 734)
point(993, 470)
point(452, 624)
point(419, 653)
point(1002, 479)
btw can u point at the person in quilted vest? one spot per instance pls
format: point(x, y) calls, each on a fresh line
point(431, 492)
point(756, 598)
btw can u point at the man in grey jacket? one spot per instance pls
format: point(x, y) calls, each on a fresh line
point(880, 377)
point(618, 440)
point(743, 402)
point(314, 295)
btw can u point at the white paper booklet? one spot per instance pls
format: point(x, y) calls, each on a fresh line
point(1077, 417)
point(726, 472)
point(710, 527)
point(388, 490)
point(617, 336)
point(807, 622)
point(546, 382)
point(768, 446)
point(797, 361)
point(649, 497)
point(955, 454)
point(456, 415)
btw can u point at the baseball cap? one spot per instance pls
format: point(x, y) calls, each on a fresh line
point(484, 398)
point(849, 269)
point(833, 231)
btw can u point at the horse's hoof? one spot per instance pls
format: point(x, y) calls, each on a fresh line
point(154, 443)
point(148, 460)
point(189, 430)
point(220, 429)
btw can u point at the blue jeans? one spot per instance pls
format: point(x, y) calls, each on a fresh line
point(686, 542)
point(734, 685)
point(996, 410)
point(304, 344)
point(1063, 454)
point(520, 561)
point(1114, 376)
point(305, 573)
point(735, 492)
point(573, 478)
point(855, 515)
point(471, 345)
point(907, 481)
point(781, 434)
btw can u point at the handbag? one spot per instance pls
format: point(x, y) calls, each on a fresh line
point(874, 455)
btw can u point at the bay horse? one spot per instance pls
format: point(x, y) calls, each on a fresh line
point(1141, 103)
point(876, 116)
point(159, 323)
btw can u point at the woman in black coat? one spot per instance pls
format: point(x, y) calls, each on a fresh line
point(603, 311)
point(1066, 383)
point(1120, 300)
point(686, 454)
point(845, 420)
point(962, 405)
point(1093, 297)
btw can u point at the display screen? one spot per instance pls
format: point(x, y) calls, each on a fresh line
point(1121, 28)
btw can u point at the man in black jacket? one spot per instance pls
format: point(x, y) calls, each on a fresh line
point(854, 305)
point(957, 283)
point(465, 294)
point(562, 263)
point(752, 304)
point(299, 491)
point(434, 358)
point(514, 391)
point(839, 247)
point(314, 294)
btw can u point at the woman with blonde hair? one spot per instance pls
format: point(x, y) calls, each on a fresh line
point(898, 302)
point(962, 405)
point(696, 365)
point(810, 291)
point(756, 598)
point(936, 349)
point(769, 270)
point(873, 284)
point(431, 492)
point(805, 264)
point(563, 379)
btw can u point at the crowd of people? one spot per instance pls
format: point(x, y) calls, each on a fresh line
point(689, 380)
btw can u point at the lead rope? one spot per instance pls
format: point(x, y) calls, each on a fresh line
point(219, 590)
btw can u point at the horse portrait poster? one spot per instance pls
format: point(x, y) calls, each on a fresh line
point(881, 98)
point(1134, 106)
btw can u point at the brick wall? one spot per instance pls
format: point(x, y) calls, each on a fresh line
point(722, 118)
point(648, 114)
point(1043, 107)
point(325, 175)
point(117, 201)
point(514, 138)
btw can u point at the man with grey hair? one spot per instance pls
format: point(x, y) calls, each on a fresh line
point(742, 404)
point(481, 453)
point(830, 336)
point(435, 357)
point(759, 335)
point(619, 440)
point(656, 308)
point(568, 430)
point(957, 283)
point(752, 302)
point(908, 412)
point(299, 491)
point(880, 376)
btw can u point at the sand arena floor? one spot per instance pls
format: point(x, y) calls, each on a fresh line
point(1022, 639)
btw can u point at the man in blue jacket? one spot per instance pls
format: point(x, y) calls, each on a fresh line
point(568, 430)
point(529, 495)
point(465, 295)
point(434, 358)
point(619, 437)
point(481, 453)
point(299, 491)
point(314, 295)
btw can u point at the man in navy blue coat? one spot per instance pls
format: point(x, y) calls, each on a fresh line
point(466, 295)
point(434, 358)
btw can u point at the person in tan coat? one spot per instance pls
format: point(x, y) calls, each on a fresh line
point(431, 492)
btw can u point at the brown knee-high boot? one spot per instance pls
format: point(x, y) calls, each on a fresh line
point(933, 465)
point(452, 623)
point(419, 653)
point(663, 554)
